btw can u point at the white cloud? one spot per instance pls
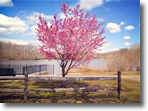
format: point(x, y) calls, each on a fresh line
point(96, 51)
point(3, 31)
point(127, 43)
point(129, 27)
point(34, 27)
point(12, 25)
point(113, 27)
point(21, 41)
point(100, 51)
point(33, 18)
point(101, 19)
point(126, 37)
point(24, 26)
point(90, 4)
point(106, 44)
point(62, 15)
point(115, 49)
point(103, 48)
point(6, 3)
point(49, 24)
point(33, 30)
point(122, 23)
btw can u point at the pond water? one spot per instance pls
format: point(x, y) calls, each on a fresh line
point(99, 64)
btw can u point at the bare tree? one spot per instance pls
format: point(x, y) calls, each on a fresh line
point(124, 59)
point(117, 62)
point(133, 56)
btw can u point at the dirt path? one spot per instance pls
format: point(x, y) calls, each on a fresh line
point(133, 77)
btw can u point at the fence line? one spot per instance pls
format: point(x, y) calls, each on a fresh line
point(59, 78)
point(82, 89)
point(20, 69)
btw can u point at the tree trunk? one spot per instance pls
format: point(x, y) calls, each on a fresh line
point(63, 72)
point(64, 69)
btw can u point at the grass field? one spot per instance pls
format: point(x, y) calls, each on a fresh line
point(130, 92)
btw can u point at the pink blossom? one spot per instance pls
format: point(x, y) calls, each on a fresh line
point(72, 39)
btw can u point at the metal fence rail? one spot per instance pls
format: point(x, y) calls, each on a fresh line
point(35, 68)
point(20, 69)
point(17, 68)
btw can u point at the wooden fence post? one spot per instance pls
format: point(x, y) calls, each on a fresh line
point(25, 86)
point(119, 84)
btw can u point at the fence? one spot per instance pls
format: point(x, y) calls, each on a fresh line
point(20, 69)
point(84, 89)
point(34, 68)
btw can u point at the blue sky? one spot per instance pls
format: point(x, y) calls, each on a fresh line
point(18, 18)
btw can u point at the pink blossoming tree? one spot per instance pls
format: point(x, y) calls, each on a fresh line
point(72, 40)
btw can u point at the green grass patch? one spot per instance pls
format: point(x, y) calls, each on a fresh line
point(130, 92)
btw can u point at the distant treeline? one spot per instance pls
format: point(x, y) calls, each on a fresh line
point(135, 49)
point(10, 51)
point(123, 59)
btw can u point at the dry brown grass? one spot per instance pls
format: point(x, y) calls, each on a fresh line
point(101, 73)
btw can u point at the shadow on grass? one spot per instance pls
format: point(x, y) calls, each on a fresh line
point(62, 97)
point(130, 92)
point(12, 84)
point(60, 84)
point(80, 97)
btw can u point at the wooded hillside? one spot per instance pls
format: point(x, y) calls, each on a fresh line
point(10, 51)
